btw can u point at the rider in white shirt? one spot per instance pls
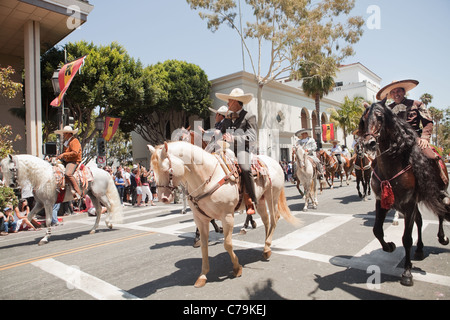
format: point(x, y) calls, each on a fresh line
point(310, 146)
point(336, 150)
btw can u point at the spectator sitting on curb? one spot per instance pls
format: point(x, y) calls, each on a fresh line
point(9, 222)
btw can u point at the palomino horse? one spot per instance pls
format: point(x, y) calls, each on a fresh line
point(102, 190)
point(306, 173)
point(403, 177)
point(363, 169)
point(213, 195)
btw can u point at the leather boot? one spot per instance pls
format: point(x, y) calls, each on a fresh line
point(249, 204)
point(75, 187)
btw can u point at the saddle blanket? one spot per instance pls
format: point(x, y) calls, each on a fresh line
point(82, 174)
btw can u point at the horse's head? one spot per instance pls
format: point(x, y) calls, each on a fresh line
point(9, 168)
point(373, 122)
point(300, 155)
point(168, 169)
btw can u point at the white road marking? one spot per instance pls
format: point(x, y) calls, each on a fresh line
point(75, 278)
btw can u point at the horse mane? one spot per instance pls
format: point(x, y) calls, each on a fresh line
point(401, 138)
point(39, 172)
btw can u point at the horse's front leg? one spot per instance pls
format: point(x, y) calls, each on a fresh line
point(203, 227)
point(378, 228)
point(48, 222)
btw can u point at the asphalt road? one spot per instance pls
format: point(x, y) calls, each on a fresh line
point(333, 255)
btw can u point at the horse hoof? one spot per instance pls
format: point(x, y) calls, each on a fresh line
point(266, 255)
point(110, 226)
point(253, 224)
point(395, 223)
point(42, 242)
point(200, 283)
point(407, 280)
point(418, 255)
point(92, 232)
point(390, 247)
point(443, 240)
point(243, 231)
point(196, 243)
point(237, 272)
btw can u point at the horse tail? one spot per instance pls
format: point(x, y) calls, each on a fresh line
point(284, 210)
point(115, 209)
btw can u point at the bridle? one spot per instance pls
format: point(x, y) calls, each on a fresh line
point(14, 172)
point(170, 186)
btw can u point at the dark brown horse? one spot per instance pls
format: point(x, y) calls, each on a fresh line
point(403, 176)
point(363, 169)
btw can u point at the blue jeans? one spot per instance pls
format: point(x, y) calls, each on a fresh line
point(8, 225)
point(55, 212)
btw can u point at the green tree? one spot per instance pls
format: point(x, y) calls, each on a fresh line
point(348, 115)
point(110, 79)
point(291, 29)
point(8, 88)
point(173, 91)
point(426, 99)
point(437, 115)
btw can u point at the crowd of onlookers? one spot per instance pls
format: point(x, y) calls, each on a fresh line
point(136, 186)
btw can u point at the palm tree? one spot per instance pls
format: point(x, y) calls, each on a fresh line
point(316, 86)
point(437, 115)
point(347, 117)
point(426, 98)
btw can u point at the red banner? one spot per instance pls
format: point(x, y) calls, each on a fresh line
point(111, 125)
point(327, 132)
point(65, 76)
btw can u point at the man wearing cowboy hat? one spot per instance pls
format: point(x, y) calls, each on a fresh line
point(240, 130)
point(415, 113)
point(310, 146)
point(71, 156)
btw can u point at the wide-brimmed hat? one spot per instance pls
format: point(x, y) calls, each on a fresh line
point(333, 141)
point(67, 129)
point(299, 132)
point(223, 110)
point(236, 94)
point(405, 84)
point(6, 209)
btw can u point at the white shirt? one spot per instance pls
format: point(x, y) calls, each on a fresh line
point(309, 144)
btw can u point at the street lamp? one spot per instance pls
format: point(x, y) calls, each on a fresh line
point(99, 123)
point(101, 147)
point(318, 132)
point(55, 82)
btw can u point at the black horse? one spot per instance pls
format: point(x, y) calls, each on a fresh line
point(363, 169)
point(403, 176)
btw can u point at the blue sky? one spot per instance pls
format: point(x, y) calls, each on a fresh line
point(411, 40)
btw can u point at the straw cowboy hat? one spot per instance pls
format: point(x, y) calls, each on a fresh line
point(334, 141)
point(299, 132)
point(405, 84)
point(223, 110)
point(67, 129)
point(236, 94)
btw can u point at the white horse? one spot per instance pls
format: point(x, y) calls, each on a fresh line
point(213, 196)
point(102, 190)
point(307, 175)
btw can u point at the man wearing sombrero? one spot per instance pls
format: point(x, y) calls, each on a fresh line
point(240, 130)
point(415, 113)
point(310, 146)
point(71, 156)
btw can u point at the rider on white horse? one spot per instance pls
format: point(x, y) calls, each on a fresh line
point(310, 146)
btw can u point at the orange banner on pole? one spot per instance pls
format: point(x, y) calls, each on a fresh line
point(111, 125)
point(65, 76)
point(327, 132)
